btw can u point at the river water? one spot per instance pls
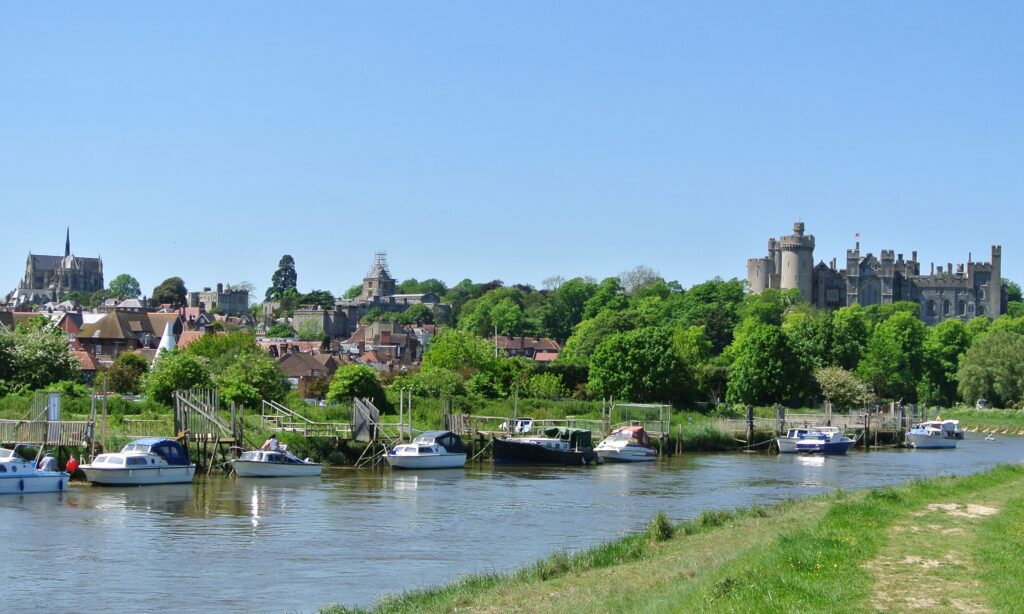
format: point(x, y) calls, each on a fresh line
point(231, 544)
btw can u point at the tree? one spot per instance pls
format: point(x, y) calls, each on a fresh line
point(849, 337)
point(310, 330)
point(507, 317)
point(319, 298)
point(545, 386)
point(894, 359)
point(1013, 291)
point(766, 369)
point(280, 330)
point(125, 286)
point(176, 370)
point(609, 295)
point(436, 384)
point(589, 334)
point(356, 382)
point(641, 366)
point(944, 344)
point(417, 314)
point(841, 387)
point(252, 377)
point(993, 369)
point(171, 291)
point(125, 375)
point(565, 307)
point(459, 351)
point(35, 356)
point(353, 292)
point(284, 278)
point(638, 278)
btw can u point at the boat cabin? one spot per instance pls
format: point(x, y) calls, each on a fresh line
point(446, 439)
point(632, 435)
point(167, 449)
point(260, 456)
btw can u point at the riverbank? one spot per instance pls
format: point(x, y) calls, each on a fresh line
point(948, 543)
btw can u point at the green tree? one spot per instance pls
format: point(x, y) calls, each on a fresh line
point(319, 298)
point(310, 330)
point(841, 387)
point(280, 330)
point(894, 359)
point(356, 381)
point(171, 291)
point(641, 366)
point(436, 384)
point(944, 345)
point(417, 314)
point(766, 369)
point(125, 375)
point(565, 308)
point(1013, 292)
point(284, 278)
point(588, 334)
point(252, 377)
point(849, 337)
point(176, 370)
point(545, 386)
point(609, 295)
point(993, 369)
point(459, 351)
point(124, 286)
point(35, 356)
point(353, 292)
point(507, 317)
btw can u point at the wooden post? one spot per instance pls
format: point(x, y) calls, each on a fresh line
point(103, 432)
point(867, 429)
point(780, 427)
point(750, 425)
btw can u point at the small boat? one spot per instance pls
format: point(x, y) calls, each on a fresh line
point(152, 460)
point(825, 440)
point(787, 444)
point(429, 450)
point(18, 476)
point(935, 434)
point(278, 463)
point(627, 444)
point(558, 446)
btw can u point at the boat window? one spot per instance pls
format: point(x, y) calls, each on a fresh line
point(5, 453)
point(426, 449)
point(3, 469)
point(133, 461)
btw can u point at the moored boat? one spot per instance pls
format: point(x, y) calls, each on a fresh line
point(20, 476)
point(825, 440)
point(152, 460)
point(787, 444)
point(558, 446)
point(274, 464)
point(935, 434)
point(627, 444)
point(429, 450)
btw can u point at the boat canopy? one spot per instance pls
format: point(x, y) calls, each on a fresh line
point(634, 433)
point(167, 449)
point(446, 439)
point(577, 438)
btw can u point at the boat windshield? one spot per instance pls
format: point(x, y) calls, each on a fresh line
point(136, 447)
point(6, 454)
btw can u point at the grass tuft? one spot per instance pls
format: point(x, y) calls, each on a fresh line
point(659, 529)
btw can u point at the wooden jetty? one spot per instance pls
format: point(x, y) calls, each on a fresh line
point(886, 424)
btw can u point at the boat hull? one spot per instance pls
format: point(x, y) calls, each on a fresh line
point(139, 476)
point(46, 481)
point(259, 469)
point(627, 455)
point(521, 453)
point(787, 445)
point(831, 448)
point(924, 442)
point(427, 461)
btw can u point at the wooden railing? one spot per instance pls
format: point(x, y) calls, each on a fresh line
point(63, 433)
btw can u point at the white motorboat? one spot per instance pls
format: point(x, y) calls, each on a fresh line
point(787, 444)
point(429, 450)
point(274, 464)
point(627, 444)
point(144, 461)
point(19, 476)
point(825, 440)
point(935, 434)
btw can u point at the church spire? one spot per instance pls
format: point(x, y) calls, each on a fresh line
point(67, 243)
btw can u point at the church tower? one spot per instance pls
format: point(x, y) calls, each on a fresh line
point(378, 282)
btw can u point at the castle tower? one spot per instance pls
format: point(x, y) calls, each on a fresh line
point(797, 262)
point(994, 297)
point(378, 282)
point(887, 274)
point(853, 275)
point(759, 274)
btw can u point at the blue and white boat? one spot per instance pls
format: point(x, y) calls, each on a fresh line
point(144, 461)
point(936, 433)
point(787, 444)
point(825, 440)
point(18, 476)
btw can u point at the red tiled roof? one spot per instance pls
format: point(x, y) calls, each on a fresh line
point(188, 336)
point(545, 356)
point(85, 361)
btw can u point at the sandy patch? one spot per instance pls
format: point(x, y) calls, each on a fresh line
point(971, 510)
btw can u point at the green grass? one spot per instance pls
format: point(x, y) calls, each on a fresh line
point(840, 552)
point(986, 419)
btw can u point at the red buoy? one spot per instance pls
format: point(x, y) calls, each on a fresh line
point(72, 464)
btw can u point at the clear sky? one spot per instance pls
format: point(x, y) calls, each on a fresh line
point(512, 140)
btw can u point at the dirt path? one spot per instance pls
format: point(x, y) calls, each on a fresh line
point(926, 562)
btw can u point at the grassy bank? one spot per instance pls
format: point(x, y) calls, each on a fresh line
point(1011, 420)
point(944, 544)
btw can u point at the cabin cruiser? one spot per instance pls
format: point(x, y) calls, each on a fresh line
point(826, 440)
point(935, 434)
point(787, 444)
point(144, 461)
point(278, 463)
point(18, 475)
point(558, 446)
point(627, 444)
point(429, 450)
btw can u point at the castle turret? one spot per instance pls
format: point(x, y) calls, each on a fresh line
point(797, 262)
point(759, 273)
point(994, 297)
point(853, 275)
point(886, 275)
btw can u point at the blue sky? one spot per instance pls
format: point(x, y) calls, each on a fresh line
point(513, 140)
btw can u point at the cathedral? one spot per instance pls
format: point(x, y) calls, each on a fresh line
point(51, 278)
point(972, 289)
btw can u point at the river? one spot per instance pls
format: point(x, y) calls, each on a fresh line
point(229, 544)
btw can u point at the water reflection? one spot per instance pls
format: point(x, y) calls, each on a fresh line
point(333, 539)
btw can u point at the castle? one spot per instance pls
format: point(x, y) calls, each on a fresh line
point(378, 293)
point(973, 289)
point(50, 278)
